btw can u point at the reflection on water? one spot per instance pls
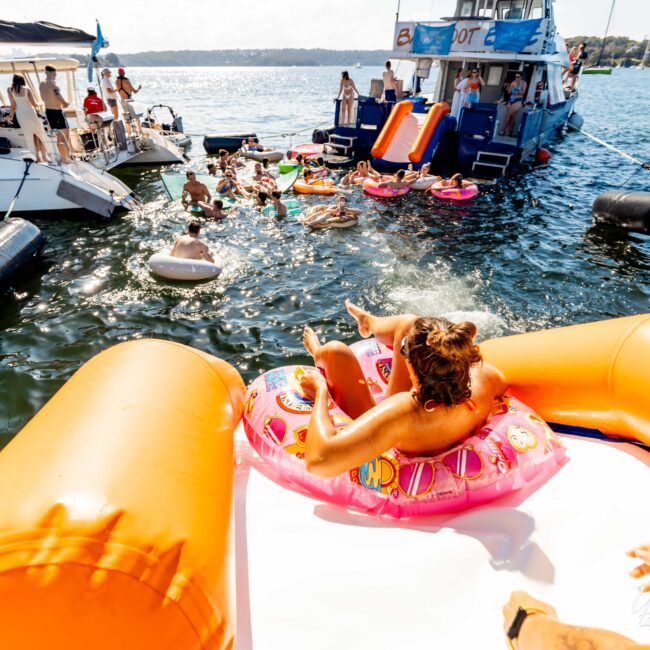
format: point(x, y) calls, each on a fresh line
point(523, 255)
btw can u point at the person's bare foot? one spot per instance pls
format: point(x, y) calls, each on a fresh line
point(311, 341)
point(362, 317)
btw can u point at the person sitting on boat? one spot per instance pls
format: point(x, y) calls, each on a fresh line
point(92, 102)
point(228, 186)
point(280, 208)
point(24, 108)
point(396, 182)
point(439, 392)
point(347, 89)
point(517, 92)
point(190, 247)
point(581, 58)
point(471, 88)
point(197, 191)
point(109, 92)
point(214, 210)
point(390, 84)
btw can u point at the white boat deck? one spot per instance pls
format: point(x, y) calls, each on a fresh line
point(311, 575)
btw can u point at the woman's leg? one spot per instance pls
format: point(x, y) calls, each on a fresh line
point(345, 379)
point(389, 330)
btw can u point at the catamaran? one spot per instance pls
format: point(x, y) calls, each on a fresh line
point(500, 39)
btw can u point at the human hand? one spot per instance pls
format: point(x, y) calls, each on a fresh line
point(642, 553)
point(311, 383)
point(522, 599)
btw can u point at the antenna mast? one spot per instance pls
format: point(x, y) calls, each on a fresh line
point(611, 11)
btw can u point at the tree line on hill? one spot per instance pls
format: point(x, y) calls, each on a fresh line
point(618, 50)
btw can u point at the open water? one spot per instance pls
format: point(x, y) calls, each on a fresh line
point(523, 256)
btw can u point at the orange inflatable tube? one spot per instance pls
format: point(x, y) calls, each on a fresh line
point(593, 375)
point(435, 114)
point(115, 507)
point(399, 112)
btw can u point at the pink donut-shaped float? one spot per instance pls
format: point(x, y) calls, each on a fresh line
point(512, 448)
point(465, 193)
point(307, 149)
point(371, 186)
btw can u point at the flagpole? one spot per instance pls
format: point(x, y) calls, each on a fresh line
point(399, 2)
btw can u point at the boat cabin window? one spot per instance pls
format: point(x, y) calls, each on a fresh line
point(466, 8)
point(510, 9)
point(536, 10)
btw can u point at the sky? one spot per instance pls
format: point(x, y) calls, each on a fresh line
point(135, 25)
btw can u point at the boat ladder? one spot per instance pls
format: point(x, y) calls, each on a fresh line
point(492, 161)
point(343, 144)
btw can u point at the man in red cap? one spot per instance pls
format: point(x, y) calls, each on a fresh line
point(125, 89)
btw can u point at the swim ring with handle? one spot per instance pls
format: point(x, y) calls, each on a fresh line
point(442, 191)
point(512, 448)
point(371, 186)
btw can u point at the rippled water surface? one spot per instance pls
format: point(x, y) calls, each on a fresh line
point(524, 255)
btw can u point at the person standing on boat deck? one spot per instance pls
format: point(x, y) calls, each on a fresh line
point(190, 247)
point(197, 191)
point(471, 88)
point(456, 103)
point(109, 91)
point(125, 89)
point(23, 106)
point(516, 92)
point(54, 105)
point(347, 89)
point(581, 58)
point(390, 84)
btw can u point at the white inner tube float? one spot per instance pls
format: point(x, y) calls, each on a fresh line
point(272, 155)
point(424, 182)
point(318, 218)
point(180, 268)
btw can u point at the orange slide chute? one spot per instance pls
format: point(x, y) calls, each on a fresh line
point(593, 375)
point(435, 114)
point(115, 507)
point(399, 112)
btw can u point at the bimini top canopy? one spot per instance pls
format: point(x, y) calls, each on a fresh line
point(17, 66)
point(42, 33)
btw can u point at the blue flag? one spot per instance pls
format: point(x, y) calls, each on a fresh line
point(98, 43)
point(514, 35)
point(432, 40)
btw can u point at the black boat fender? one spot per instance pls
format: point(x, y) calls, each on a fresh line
point(626, 209)
point(20, 241)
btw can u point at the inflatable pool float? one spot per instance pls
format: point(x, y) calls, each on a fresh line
point(231, 142)
point(179, 268)
point(196, 210)
point(307, 149)
point(294, 208)
point(20, 242)
point(272, 155)
point(465, 193)
point(285, 167)
point(424, 182)
point(124, 534)
point(334, 221)
point(372, 187)
point(285, 182)
point(321, 186)
point(513, 448)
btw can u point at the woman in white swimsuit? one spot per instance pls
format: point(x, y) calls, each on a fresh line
point(347, 89)
point(24, 107)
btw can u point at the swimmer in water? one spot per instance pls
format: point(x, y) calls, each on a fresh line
point(196, 191)
point(396, 182)
point(214, 211)
point(280, 208)
point(190, 247)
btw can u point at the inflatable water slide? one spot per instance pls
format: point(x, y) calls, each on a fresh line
point(410, 137)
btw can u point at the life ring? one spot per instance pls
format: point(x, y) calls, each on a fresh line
point(180, 268)
point(512, 448)
point(442, 191)
point(320, 186)
point(272, 155)
point(371, 186)
point(424, 182)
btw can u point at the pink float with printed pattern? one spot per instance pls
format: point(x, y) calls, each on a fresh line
point(371, 186)
point(511, 449)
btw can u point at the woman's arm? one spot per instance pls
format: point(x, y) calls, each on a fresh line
point(30, 97)
point(330, 452)
point(355, 89)
point(12, 105)
point(340, 90)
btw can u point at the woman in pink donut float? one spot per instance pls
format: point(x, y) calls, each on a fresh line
point(438, 394)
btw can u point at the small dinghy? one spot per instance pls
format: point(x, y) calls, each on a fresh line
point(231, 142)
